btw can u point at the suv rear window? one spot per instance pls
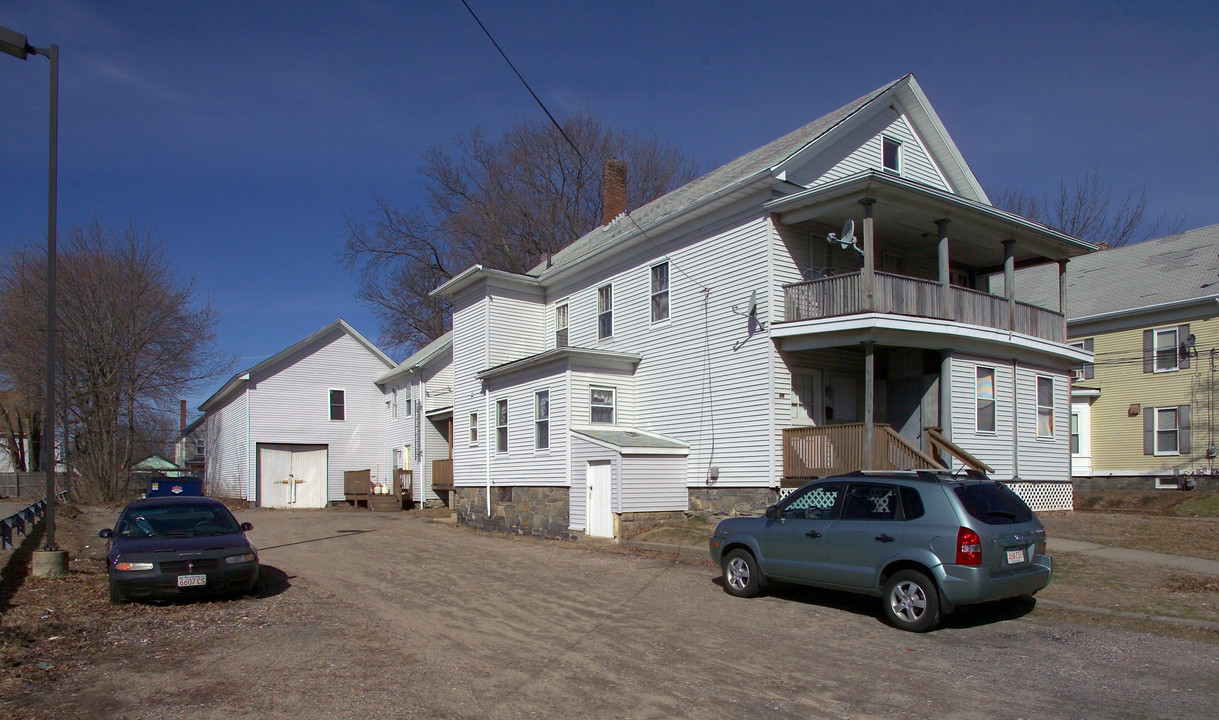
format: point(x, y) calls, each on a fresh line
point(993, 503)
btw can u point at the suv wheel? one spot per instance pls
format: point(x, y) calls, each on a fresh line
point(741, 575)
point(911, 601)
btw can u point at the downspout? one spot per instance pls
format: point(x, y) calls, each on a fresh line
point(1015, 423)
point(771, 353)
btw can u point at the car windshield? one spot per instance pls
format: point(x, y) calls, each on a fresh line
point(184, 520)
point(993, 504)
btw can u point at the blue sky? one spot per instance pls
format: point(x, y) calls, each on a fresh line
point(240, 132)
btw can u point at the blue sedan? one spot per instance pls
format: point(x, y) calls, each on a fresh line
point(169, 547)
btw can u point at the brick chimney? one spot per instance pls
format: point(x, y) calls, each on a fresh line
point(613, 190)
point(181, 415)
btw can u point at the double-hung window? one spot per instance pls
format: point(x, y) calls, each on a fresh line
point(541, 420)
point(393, 405)
point(984, 395)
point(660, 291)
point(1074, 433)
point(501, 426)
point(1166, 350)
point(560, 325)
point(891, 154)
point(601, 406)
point(1168, 429)
point(338, 405)
point(605, 312)
point(473, 428)
point(200, 446)
point(1045, 406)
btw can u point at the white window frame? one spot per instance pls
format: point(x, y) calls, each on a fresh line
point(1044, 408)
point(1155, 350)
point(541, 425)
point(994, 399)
point(473, 429)
point(897, 156)
point(200, 447)
point(393, 405)
point(1077, 373)
point(501, 430)
point(565, 308)
point(605, 312)
point(613, 404)
point(653, 294)
point(330, 404)
point(1176, 431)
point(408, 407)
point(1074, 438)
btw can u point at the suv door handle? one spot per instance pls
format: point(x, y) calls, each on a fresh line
point(884, 538)
point(813, 534)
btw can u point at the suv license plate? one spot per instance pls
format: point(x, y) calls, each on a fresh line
point(1015, 557)
point(201, 580)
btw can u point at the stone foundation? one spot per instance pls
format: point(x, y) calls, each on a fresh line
point(634, 524)
point(1208, 483)
point(537, 511)
point(726, 502)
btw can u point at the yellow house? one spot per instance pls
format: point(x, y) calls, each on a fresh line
point(1143, 413)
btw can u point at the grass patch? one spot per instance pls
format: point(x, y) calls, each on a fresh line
point(1206, 505)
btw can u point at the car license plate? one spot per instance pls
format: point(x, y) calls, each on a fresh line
point(1015, 557)
point(201, 580)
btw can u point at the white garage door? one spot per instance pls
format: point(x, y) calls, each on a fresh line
point(292, 476)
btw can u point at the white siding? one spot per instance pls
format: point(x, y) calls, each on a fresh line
point(1043, 458)
point(227, 462)
point(582, 451)
point(438, 376)
point(435, 447)
point(517, 326)
point(523, 465)
point(289, 404)
point(470, 357)
point(582, 382)
point(860, 150)
point(397, 432)
point(994, 449)
point(652, 483)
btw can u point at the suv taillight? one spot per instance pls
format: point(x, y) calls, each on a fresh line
point(969, 547)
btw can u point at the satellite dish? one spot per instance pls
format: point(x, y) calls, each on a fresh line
point(848, 233)
point(753, 304)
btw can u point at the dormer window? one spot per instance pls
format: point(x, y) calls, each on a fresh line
point(891, 155)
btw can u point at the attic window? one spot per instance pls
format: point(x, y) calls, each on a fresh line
point(891, 154)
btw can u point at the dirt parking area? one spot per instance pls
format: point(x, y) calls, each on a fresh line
point(365, 615)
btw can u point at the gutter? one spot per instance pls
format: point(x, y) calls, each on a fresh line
point(1147, 309)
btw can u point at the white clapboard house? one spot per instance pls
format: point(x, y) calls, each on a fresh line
point(814, 306)
point(282, 433)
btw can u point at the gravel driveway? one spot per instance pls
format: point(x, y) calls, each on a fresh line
point(366, 615)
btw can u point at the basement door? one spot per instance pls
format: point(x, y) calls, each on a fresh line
point(600, 516)
point(292, 476)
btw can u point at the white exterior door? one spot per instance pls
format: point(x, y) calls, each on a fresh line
point(292, 476)
point(600, 517)
point(806, 397)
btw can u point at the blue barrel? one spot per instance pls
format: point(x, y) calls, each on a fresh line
point(169, 487)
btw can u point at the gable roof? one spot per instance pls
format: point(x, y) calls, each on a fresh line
point(420, 359)
point(1159, 273)
point(239, 380)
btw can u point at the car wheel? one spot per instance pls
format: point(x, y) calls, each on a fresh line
point(741, 575)
point(912, 601)
point(117, 596)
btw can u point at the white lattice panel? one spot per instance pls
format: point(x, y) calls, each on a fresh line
point(1045, 496)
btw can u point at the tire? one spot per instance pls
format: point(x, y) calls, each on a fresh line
point(742, 577)
point(117, 596)
point(911, 601)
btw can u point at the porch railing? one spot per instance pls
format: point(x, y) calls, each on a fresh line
point(442, 474)
point(813, 452)
point(900, 295)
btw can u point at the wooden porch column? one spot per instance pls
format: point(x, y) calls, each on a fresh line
point(869, 377)
point(1009, 281)
point(868, 276)
point(945, 276)
point(1062, 295)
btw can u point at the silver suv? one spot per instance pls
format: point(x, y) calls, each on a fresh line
point(923, 541)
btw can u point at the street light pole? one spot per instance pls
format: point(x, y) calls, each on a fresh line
point(15, 44)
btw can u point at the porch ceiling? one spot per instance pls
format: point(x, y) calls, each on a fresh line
point(905, 215)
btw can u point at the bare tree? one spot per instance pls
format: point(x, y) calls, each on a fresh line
point(503, 204)
point(1086, 209)
point(131, 337)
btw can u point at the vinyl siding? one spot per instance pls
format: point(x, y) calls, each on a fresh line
point(227, 462)
point(994, 449)
point(583, 380)
point(704, 378)
point(522, 464)
point(439, 378)
point(652, 483)
point(1044, 458)
point(860, 150)
point(516, 327)
point(1117, 436)
point(435, 447)
point(582, 451)
point(397, 432)
point(470, 357)
point(290, 405)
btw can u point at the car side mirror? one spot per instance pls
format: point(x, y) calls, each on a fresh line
point(105, 533)
point(246, 527)
point(772, 512)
